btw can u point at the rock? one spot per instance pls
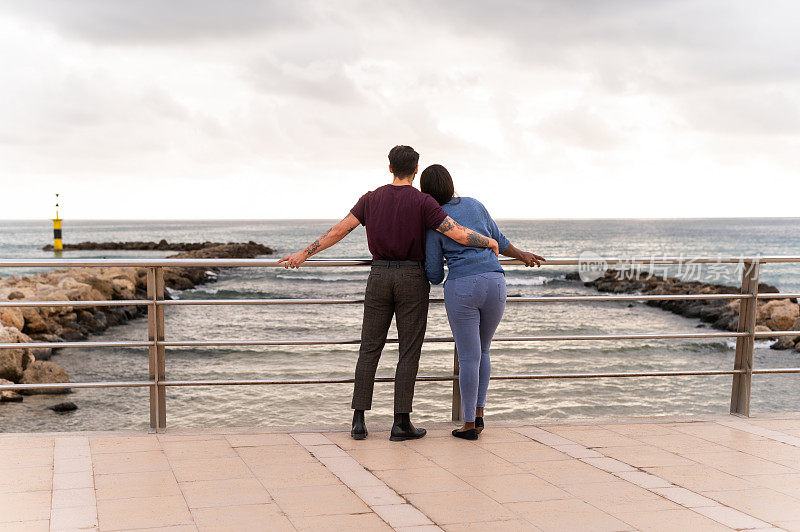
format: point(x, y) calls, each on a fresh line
point(16, 294)
point(66, 406)
point(12, 317)
point(784, 342)
point(34, 323)
point(11, 364)
point(40, 372)
point(9, 396)
point(782, 317)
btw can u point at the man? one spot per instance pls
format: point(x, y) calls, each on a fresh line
point(396, 217)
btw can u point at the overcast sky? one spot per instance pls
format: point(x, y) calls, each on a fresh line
point(257, 109)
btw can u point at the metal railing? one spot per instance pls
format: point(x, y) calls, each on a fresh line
point(157, 344)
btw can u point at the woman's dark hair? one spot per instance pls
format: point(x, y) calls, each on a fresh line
point(436, 181)
point(403, 160)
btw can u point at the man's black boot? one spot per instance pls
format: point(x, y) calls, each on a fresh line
point(359, 430)
point(404, 430)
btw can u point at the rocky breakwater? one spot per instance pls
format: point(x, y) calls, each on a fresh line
point(21, 325)
point(772, 314)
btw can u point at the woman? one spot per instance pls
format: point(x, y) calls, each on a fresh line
point(474, 294)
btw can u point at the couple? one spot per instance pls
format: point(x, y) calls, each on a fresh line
point(410, 234)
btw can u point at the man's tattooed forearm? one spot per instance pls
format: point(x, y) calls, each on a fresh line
point(476, 239)
point(315, 245)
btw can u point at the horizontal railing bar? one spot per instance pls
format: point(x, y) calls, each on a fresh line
point(112, 384)
point(777, 296)
point(204, 263)
point(543, 299)
point(219, 343)
point(59, 345)
point(102, 303)
point(449, 378)
point(770, 334)
point(777, 370)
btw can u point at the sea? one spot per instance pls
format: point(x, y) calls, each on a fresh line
point(284, 405)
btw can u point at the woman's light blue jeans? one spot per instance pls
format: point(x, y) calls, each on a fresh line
point(475, 306)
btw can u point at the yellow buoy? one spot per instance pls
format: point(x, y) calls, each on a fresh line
point(57, 245)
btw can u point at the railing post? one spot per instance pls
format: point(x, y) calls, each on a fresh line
point(155, 334)
point(748, 308)
point(456, 388)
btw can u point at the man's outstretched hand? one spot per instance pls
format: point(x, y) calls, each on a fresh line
point(531, 259)
point(294, 260)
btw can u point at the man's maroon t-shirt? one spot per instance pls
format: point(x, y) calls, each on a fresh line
point(396, 218)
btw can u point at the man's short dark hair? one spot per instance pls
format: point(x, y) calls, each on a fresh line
point(403, 160)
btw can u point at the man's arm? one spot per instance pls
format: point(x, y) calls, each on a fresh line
point(528, 258)
point(328, 238)
point(467, 237)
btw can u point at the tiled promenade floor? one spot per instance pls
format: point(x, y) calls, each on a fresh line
point(723, 474)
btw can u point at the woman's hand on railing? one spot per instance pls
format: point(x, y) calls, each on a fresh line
point(530, 259)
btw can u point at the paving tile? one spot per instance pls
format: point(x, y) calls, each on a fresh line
point(145, 512)
point(634, 430)
point(134, 485)
point(593, 437)
point(517, 488)
point(326, 451)
point(577, 451)
point(398, 458)
point(245, 517)
point(72, 465)
point(484, 463)
point(762, 503)
point(401, 515)
point(789, 526)
point(682, 443)
point(310, 438)
point(26, 526)
point(620, 496)
point(375, 440)
point(670, 521)
point(420, 528)
point(645, 456)
point(74, 497)
point(498, 435)
point(66, 481)
point(608, 464)
point(424, 480)
point(209, 469)
point(511, 525)
point(77, 517)
point(226, 492)
point(542, 436)
point(459, 507)
point(567, 514)
point(739, 463)
point(344, 523)
point(188, 436)
point(730, 517)
point(129, 462)
point(275, 454)
point(787, 483)
point(700, 478)
point(685, 497)
point(293, 475)
point(258, 440)
point(16, 479)
point(119, 444)
point(567, 472)
point(20, 457)
point(380, 495)
point(644, 480)
point(529, 451)
point(24, 506)
point(190, 450)
point(317, 500)
point(34, 442)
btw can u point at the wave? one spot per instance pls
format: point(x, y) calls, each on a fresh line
point(539, 280)
point(316, 278)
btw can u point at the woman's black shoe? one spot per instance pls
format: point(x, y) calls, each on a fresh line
point(359, 430)
point(479, 424)
point(469, 434)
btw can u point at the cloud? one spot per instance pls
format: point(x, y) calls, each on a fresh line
point(156, 21)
